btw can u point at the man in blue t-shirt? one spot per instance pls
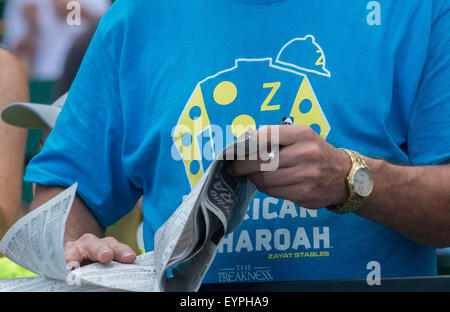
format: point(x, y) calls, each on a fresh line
point(361, 177)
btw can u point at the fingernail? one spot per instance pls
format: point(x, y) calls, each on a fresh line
point(103, 252)
point(128, 254)
point(72, 265)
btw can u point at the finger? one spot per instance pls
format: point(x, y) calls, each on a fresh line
point(95, 249)
point(285, 158)
point(277, 191)
point(280, 177)
point(304, 156)
point(283, 135)
point(288, 157)
point(275, 136)
point(122, 252)
point(243, 167)
point(270, 138)
point(72, 255)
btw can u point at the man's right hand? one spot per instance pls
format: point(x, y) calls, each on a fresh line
point(90, 248)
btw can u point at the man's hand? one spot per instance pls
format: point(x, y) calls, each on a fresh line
point(412, 200)
point(311, 172)
point(90, 248)
point(79, 247)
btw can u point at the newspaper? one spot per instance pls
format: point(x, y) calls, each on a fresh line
point(186, 243)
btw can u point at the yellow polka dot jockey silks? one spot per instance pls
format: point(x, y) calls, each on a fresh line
point(193, 121)
point(252, 93)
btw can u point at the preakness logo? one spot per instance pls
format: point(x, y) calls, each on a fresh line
point(245, 273)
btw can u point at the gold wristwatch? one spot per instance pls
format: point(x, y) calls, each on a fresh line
point(359, 184)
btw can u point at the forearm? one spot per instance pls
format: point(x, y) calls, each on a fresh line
point(79, 247)
point(11, 171)
point(413, 201)
point(80, 220)
point(13, 88)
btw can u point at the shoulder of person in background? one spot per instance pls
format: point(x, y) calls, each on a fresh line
point(74, 58)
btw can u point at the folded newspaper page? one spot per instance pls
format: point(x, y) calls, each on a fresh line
point(187, 242)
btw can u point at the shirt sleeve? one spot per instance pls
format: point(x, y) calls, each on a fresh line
point(86, 144)
point(429, 131)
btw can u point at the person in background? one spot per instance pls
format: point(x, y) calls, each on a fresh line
point(75, 57)
point(39, 33)
point(42, 117)
point(13, 87)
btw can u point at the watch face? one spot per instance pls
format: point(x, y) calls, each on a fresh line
point(363, 182)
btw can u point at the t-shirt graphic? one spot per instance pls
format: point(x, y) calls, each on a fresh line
point(252, 93)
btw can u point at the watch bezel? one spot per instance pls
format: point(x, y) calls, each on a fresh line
point(352, 181)
point(355, 200)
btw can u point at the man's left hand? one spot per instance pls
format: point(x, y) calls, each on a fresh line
point(311, 172)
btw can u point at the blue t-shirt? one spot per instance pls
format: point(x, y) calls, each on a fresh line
point(166, 84)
